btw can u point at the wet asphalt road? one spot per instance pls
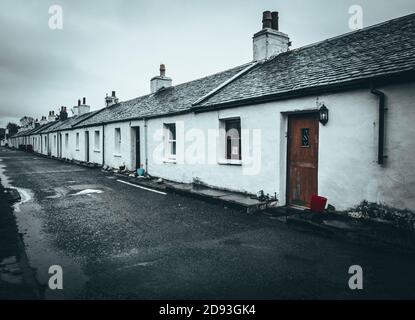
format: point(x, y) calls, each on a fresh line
point(126, 242)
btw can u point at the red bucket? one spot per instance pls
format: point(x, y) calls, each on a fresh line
point(317, 203)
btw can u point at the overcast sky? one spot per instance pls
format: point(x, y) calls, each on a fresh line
point(119, 45)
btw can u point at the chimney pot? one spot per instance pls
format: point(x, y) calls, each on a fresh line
point(84, 100)
point(79, 102)
point(266, 19)
point(113, 93)
point(162, 70)
point(274, 21)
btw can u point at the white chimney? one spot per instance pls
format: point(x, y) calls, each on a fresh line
point(81, 108)
point(161, 81)
point(43, 120)
point(51, 116)
point(109, 101)
point(269, 41)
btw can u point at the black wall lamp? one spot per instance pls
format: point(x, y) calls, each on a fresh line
point(323, 115)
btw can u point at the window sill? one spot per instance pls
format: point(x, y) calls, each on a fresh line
point(230, 162)
point(169, 160)
point(76, 149)
point(117, 155)
point(97, 151)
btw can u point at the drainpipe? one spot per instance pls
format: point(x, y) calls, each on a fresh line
point(145, 143)
point(381, 134)
point(103, 144)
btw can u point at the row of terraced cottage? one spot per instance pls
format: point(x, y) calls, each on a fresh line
point(335, 118)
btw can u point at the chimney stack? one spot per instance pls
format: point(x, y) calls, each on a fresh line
point(109, 101)
point(159, 82)
point(80, 108)
point(269, 41)
point(51, 116)
point(63, 115)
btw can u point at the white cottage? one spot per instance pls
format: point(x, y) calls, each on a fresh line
point(333, 118)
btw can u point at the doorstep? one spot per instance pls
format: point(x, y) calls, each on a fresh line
point(241, 201)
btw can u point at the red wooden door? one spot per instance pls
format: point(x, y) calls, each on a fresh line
point(302, 158)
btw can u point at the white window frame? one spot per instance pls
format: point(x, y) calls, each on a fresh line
point(66, 140)
point(222, 145)
point(77, 141)
point(97, 134)
point(117, 141)
point(169, 142)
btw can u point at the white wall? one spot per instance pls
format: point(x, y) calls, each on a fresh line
point(348, 169)
point(126, 153)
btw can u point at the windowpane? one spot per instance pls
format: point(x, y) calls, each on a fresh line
point(305, 141)
point(117, 139)
point(173, 149)
point(233, 139)
point(170, 140)
point(96, 138)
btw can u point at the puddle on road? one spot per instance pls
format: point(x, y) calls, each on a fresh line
point(86, 192)
point(39, 246)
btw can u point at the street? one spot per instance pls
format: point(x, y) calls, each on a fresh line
point(114, 240)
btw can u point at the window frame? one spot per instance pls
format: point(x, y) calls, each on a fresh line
point(170, 139)
point(117, 141)
point(229, 125)
point(77, 141)
point(66, 140)
point(97, 134)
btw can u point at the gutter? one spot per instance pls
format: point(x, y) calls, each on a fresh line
point(381, 134)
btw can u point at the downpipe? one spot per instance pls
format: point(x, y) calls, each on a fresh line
point(145, 144)
point(103, 144)
point(381, 133)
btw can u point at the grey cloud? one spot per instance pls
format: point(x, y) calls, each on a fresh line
point(118, 45)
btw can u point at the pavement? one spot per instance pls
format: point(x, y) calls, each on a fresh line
point(116, 240)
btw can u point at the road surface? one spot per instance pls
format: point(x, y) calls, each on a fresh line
point(114, 240)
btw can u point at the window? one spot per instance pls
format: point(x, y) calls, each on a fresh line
point(96, 140)
point(54, 141)
point(117, 140)
point(170, 138)
point(66, 140)
point(77, 141)
point(305, 134)
point(233, 139)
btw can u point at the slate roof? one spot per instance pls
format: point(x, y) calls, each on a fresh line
point(381, 50)
point(68, 123)
point(175, 99)
point(56, 125)
point(34, 130)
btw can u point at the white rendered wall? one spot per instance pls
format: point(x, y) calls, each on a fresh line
point(348, 170)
